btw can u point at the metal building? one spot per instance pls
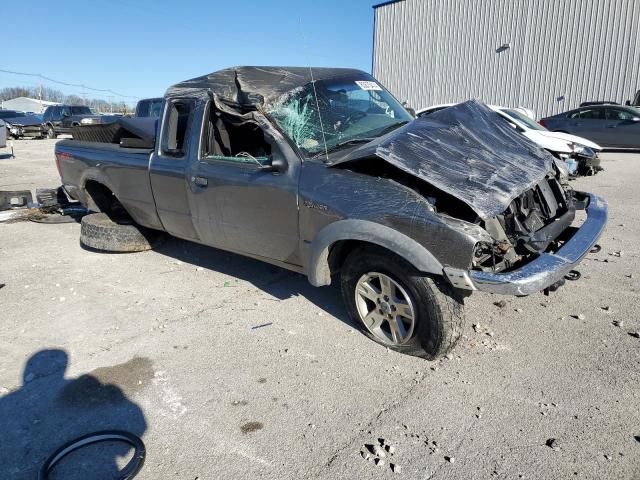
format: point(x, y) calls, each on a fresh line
point(26, 104)
point(548, 55)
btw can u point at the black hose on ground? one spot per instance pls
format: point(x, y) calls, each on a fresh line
point(127, 473)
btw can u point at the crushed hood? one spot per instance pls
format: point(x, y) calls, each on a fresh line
point(467, 151)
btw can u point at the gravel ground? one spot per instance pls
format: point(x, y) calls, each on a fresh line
point(233, 369)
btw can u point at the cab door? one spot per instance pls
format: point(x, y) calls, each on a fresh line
point(169, 167)
point(243, 207)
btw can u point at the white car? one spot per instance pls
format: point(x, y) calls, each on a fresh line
point(580, 154)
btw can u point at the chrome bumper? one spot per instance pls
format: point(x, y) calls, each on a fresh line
point(547, 268)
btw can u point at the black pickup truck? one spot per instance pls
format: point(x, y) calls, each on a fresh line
point(60, 119)
point(321, 171)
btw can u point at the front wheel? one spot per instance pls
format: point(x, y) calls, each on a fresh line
point(400, 307)
point(51, 133)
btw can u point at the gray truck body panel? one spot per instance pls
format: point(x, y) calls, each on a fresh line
point(295, 216)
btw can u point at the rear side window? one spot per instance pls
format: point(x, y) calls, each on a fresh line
point(176, 126)
point(593, 114)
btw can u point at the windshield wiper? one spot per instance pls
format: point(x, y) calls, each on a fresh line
point(392, 127)
point(353, 141)
point(337, 146)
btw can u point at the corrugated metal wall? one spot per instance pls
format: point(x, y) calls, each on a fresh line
point(562, 52)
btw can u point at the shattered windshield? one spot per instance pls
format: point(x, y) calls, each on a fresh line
point(351, 110)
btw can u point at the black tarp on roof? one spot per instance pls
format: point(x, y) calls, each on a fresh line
point(251, 87)
point(466, 150)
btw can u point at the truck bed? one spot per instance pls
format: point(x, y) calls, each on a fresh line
point(126, 132)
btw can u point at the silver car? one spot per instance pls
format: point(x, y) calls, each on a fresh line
point(611, 126)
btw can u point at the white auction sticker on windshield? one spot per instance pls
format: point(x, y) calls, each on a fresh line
point(367, 85)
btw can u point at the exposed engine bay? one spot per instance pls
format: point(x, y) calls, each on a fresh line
point(534, 221)
point(532, 224)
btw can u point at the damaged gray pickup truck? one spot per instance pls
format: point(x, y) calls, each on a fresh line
point(323, 172)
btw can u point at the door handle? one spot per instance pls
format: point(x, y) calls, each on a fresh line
point(200, 181)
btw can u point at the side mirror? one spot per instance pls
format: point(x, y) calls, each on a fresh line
point(627, 103)
point(412, 111)
point(277, 165)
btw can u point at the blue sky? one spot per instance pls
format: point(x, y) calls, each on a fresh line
point(139, 48)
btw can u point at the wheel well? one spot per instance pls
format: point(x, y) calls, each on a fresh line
point(100, 197)
point(339, 251)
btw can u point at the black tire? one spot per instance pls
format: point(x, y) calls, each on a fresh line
point(51, 133)
point(439, 308)
point(100, 232)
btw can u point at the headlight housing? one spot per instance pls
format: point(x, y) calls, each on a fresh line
point(585, 151)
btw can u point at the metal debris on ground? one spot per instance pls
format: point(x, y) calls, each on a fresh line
point(13, 199)
point(635, 334)
point(52, 206)
point(500, 304)
point(618, 323)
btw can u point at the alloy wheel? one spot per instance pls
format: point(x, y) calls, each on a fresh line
point(385, 308)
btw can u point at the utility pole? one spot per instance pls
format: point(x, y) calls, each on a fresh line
point(110, 97)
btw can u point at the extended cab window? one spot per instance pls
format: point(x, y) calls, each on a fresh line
point(176, 126)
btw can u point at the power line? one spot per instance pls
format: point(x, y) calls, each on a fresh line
point(48, 79)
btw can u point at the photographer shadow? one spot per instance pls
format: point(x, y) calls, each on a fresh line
point(49, 410)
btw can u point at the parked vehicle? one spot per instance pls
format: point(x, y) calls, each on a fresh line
point(19, 124)
point(321, 171)
point(612, 126)
point(635, 102)
point(598, 102)
point(580, 154)
point(61, 119)
point(149, 107)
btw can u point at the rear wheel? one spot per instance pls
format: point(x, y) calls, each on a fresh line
point(398, 306)
point(101, 232)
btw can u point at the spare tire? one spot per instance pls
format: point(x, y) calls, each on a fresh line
point(101, 232)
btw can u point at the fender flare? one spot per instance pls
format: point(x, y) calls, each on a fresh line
point(318, 269)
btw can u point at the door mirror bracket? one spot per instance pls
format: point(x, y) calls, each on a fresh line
point(277, 165)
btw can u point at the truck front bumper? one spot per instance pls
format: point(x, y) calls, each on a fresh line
point(547, 269)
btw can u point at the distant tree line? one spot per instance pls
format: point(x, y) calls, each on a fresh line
point(53, 95)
